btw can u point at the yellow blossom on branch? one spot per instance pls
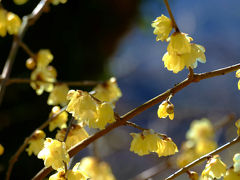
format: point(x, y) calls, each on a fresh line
point(60, 120)
point(166, 147)
point(214, 168)
point(54, 154)
point(204, 146)
point(58, 95)
point(96, 170)
point(76, 173)
point(165, 109)
point(59, 175)
point(108, 91)
point(231, 175)
point(163, 26)
point(44, 57)
point(13, 23)
point(75, 135)
point(36, 142)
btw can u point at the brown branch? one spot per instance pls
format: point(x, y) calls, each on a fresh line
point(131, 114)
point(26, 49)
point(171, 16)
point(14, 158)
point(27, 21)
point(128, 123)
point(203, 158)
point(70, 83)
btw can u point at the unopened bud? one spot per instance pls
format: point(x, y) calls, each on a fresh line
point(170, 108)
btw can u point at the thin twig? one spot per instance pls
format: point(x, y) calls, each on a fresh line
point(128, 123)
point(70, 83)
point(203, 158)
point(68, 129)
point(27, 21)
point(196, 78)
point(26, 48)
point(171, 16)
point(14, 158)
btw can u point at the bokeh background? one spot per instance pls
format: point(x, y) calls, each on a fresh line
point(97, 39)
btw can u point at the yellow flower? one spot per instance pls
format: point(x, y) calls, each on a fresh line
point(214, 168)
point(56, 2)
point(165, 109)
point(13, 23)
point(3, 22)
point(108, 91)
point(204, 146)
point(186, 157)
point(44, 57)
point(82, 106)
point(231, 175)
point(76, 173)
point(47, 75)
point(1, 149)
point(30, 63)
point(163, 26)
point(36, 142)
point(179, 44)
point(166, 147)
point(145, 142)
point(200, 129)
point(97, 170)
point(105, 114)
point(237, 124)
point(75, 135)
point(60, 120)
point(236, 165)
point(54, 154)
point(60, 175)
point(20, 2)
point(58, 95)
point(174, 62)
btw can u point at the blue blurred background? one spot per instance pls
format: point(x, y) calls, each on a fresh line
point(95, 40)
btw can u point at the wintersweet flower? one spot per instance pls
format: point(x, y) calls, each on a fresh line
point(1, 149)
point(97, 170)
point(54, 154)
point(204, 146)
point(231, 175)
point(3, 22)
point(200, 129)
point(163, 26)
point(75, 135)
point(186, 157)
point(236, 165)
point(20, 2)
point(58, 95)
point(105, 115)
point(214, 168)
point(166, 147)
point(76, 173)
point(44, 57)
point(59, 175)
point(30, 63)
point(108, 91)
point(59, 121)
point(179, 44)
point(145, 142)
point(13, 23)
point(47, 75)
point(165, 109)
point(176, 62)
point(36, 142)
point(82, 106)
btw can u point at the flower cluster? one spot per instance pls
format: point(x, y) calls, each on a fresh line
point(200, 141)
point(43, 72)
point(88, 111)
point(54, 154)
point(148, 141)
point(96, 170)
point(58, 95)
point(75, 135)
point(36, 142)
point(180, 51)
point(9, 22)
point(166, 108)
